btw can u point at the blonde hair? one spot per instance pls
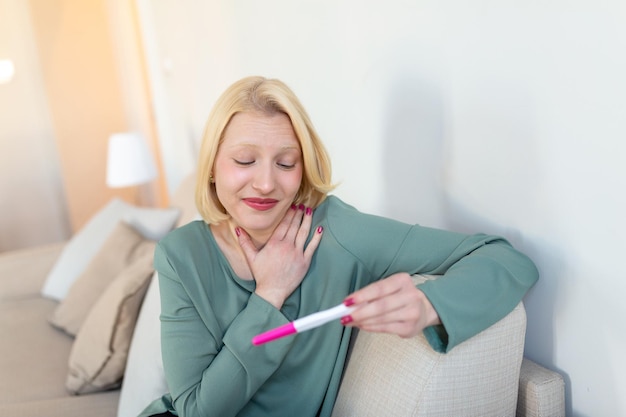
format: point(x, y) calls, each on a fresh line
point(269, 96)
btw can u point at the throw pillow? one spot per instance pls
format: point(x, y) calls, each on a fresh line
point(120, 250)
point(144, 379)
point(81, 248)
point(98, 356)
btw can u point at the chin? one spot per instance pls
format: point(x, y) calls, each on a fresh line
point(259, 225)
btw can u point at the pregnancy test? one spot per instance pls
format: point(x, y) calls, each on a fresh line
point(303, 324)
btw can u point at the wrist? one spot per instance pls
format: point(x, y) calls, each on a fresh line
point(272, 297)
point(431, 315)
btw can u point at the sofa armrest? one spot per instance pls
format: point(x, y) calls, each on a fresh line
point(23, 271)
point(388, 375)
point(541, 392)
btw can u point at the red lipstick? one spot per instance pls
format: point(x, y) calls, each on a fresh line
point(261, 204)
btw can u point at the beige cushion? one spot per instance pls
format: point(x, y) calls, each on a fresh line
point(144, 378)
point(23, 271)
point(153, 223)
point(121, 249)
point(99, 353)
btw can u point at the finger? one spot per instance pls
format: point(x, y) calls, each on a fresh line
point(305, 227)
point(406, 321)
point(405, 313)
point(249, 250)
point(314, 243)
point(380, 289)
point(385, 309)
point(400, 309)
point(283, 227)
point(399, 322)
point(294, 226)
point(401, 328)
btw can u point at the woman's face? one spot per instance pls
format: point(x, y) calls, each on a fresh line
point(258, 171)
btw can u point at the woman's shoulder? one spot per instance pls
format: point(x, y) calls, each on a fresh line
point(347, 223)
point(185, 238)
point(184, 245)
point(373, 240)
point(341, 215)
point(184, 232)
point(334, 205)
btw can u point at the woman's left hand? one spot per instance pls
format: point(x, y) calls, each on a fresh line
point(391, 305)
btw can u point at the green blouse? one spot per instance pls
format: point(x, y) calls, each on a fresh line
point(209, 315)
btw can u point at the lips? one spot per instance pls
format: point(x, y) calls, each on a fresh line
point(261, 204)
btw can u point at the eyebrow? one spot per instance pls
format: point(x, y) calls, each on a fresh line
point(253, 145)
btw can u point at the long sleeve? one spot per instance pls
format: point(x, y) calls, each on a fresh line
point(219, 379)
point(484, 277)
point(478, 290)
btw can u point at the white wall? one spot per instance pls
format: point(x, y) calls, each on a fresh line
point(503, 117)
point(32, 199)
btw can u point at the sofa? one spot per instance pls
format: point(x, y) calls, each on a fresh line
point(80, 337)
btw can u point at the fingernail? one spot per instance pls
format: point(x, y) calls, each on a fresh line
point(320, 229)
point(237, 231)
point(294, 207)
point(348, 301)
point(308, 211)
point(301, 206)
point(346, 319)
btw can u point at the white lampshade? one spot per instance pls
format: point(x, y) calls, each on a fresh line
point(129, 161)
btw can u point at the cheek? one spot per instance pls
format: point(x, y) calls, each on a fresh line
point(228, 176)
point(295, 181)
point(228, 184)
point(225, 183)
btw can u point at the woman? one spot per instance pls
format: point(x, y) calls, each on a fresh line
point(274, 246)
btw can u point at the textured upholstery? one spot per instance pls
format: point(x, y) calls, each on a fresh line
point(388, 375)
point(541, 392)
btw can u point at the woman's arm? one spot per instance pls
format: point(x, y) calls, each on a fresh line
point(212, 371)
point(484, 277)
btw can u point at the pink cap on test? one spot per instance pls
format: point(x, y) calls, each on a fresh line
point(284, 330)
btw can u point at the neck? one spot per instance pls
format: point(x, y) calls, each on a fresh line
point(258, 240)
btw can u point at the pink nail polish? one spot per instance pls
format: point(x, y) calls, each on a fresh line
point(348, 301)
point(294, 207)
point(237, 231)
point(308, 211)
point(320, 229)
point(346, 319)
point(301, 206)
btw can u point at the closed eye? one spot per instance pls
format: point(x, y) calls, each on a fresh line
point(243, 163)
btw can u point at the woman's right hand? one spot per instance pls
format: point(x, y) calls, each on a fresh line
point(279, 266)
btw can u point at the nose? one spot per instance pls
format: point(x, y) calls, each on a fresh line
point(264, 181)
